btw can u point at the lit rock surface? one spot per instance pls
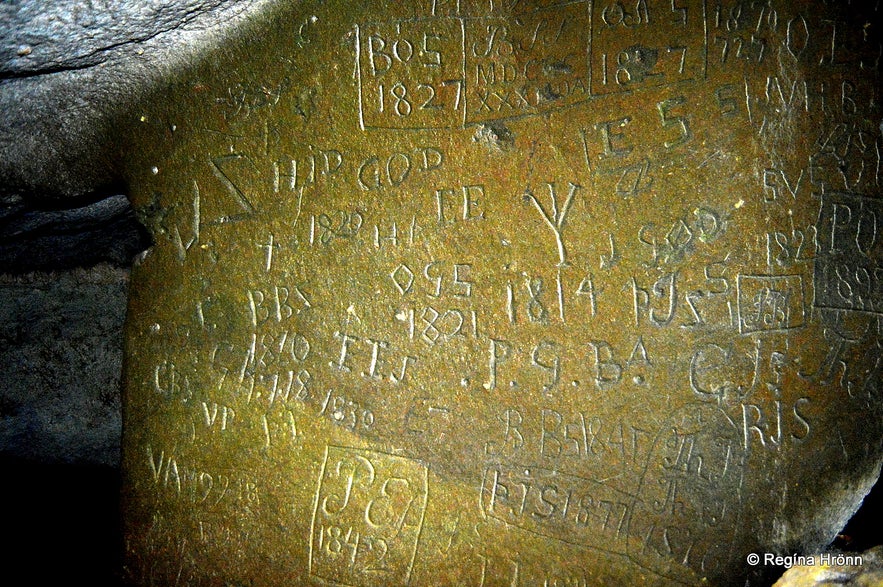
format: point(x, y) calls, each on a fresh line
point(570, 291)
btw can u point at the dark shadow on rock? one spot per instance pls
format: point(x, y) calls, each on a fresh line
point(83, 234)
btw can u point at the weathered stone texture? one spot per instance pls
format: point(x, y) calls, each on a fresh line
point(60, 359)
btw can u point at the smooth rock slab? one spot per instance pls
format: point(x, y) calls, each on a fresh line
point(528, 293)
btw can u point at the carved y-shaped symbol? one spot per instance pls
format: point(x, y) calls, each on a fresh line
point(555, 220)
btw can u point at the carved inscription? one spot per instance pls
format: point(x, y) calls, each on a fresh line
point(847, 274)
point(640, 43)
point(552, 504)
point(367, 517)
point(770, 302)
point(587, 260)
point(525, 65)
point(563, 439)
point(195, 487)
point(410, 74)
point(689, 502)
point(447, 72)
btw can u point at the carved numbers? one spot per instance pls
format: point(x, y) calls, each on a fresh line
point(367, 517)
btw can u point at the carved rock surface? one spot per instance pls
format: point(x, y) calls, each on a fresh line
point(522, 293)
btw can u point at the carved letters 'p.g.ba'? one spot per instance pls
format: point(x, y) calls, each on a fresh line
point(506, 293)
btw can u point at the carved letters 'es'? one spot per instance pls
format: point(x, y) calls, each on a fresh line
point(523, 293)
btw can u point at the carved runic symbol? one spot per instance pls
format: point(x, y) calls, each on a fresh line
point(556, 219)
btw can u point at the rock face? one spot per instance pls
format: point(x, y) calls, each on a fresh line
point(67, 68)
point(436, 289)
point(520, 293)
